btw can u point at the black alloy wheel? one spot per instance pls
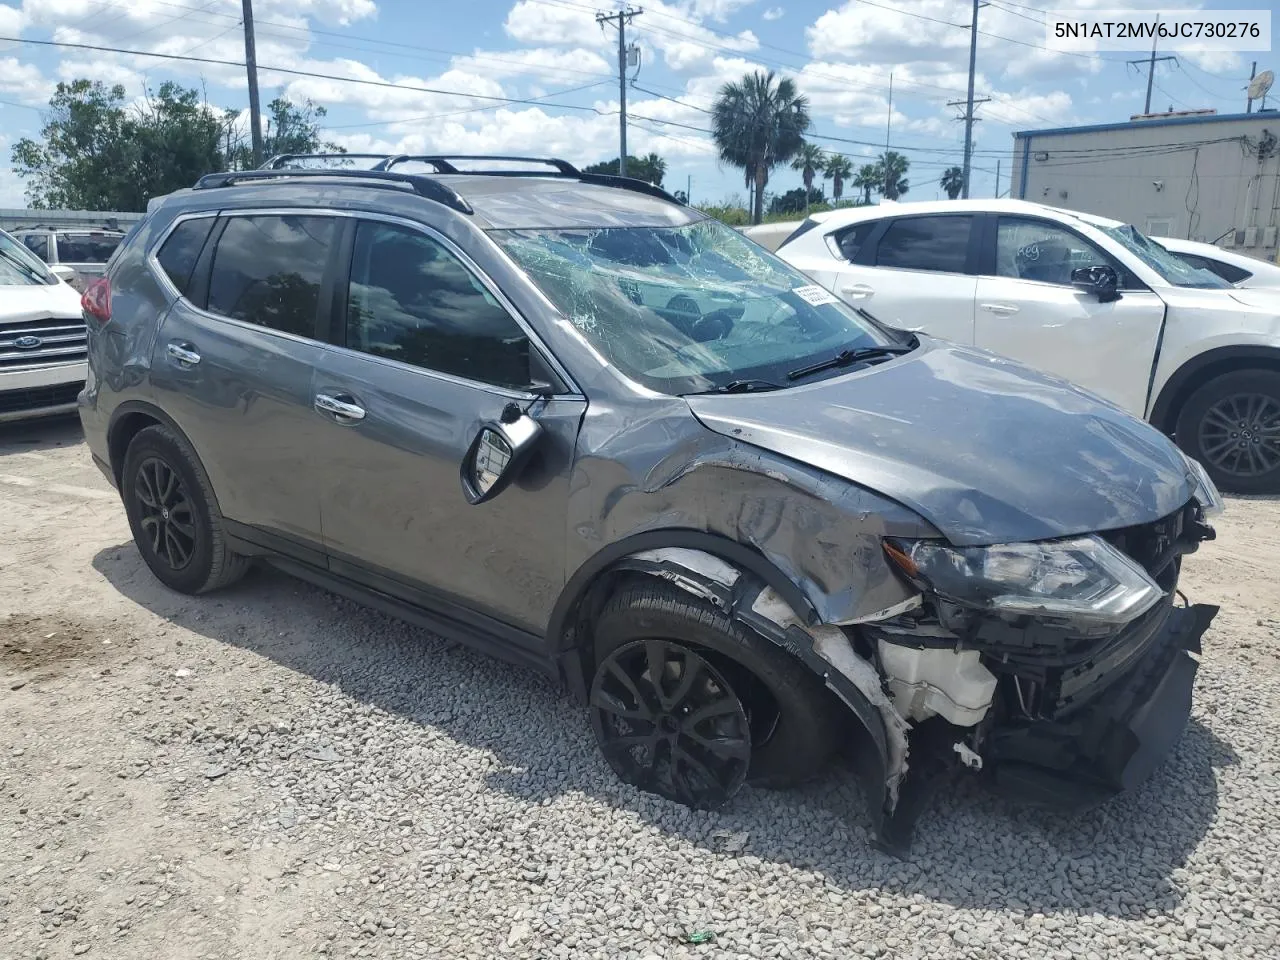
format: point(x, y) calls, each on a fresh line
point(1240, 435)
point(669, 723)
point(165, 513)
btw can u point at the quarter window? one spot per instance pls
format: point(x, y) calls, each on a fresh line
point(939, 244)
point(178, 254)
point(1044, 252)
point(412, 300)
point(38, 243)
point(267, 270)
point(850, 240)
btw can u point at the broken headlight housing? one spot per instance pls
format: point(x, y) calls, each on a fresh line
point(1083, 579)
point(1204, 490)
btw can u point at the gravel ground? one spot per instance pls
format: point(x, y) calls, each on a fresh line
point(274, 772)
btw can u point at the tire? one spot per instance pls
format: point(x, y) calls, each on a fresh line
point(173, 515)
point(1250, 463)
point(796, 723)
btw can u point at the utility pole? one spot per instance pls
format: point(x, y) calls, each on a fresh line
point(1253, 72)
point(968, 112)
point(688, 189)
point(1151, 69)
point(888, 124)
point(997, 178)
point(621, 18)
point(251, 66)
point(969, 120)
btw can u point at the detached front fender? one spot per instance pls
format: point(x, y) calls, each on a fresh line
point(742, 584)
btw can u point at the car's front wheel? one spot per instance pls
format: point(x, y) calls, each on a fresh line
point(688, 703)
point(173, 515)
point(1232, 426)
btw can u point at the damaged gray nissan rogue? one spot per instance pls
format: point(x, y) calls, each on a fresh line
point(582, 426)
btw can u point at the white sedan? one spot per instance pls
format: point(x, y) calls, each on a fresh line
point(1090, 299)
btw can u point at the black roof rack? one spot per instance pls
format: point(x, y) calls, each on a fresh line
point(422, 186)
point(443, 162)
point(425, 186)
point(282, 161)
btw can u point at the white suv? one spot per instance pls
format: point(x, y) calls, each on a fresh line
point(1090, 299)
point(42, 337)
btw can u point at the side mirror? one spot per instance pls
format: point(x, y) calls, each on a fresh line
point(497, 453)
point(1101, 280)
point(63, 272)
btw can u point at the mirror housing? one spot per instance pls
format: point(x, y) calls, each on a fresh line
point(1101, 280)
point(63, 272)
point(497, 453)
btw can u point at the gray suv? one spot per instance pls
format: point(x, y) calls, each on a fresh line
point(573, 422)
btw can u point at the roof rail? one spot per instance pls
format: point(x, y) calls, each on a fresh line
point(422, 186)
point(629, 183)
point(443, 162)
point(281, 161)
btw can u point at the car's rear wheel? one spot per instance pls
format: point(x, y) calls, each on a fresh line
point(1232, 426)
point(688, 703)
point(173, 515)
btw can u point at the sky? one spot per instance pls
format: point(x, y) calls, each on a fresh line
point(539, 77)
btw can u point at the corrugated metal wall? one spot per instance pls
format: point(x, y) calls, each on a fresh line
point(1191, 178)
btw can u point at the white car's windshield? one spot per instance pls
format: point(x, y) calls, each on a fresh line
point(689, 309)
point(19, 267)
point(1169, 265)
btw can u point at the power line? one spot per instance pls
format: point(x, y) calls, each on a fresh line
point(458, 113)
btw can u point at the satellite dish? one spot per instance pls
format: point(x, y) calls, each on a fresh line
point(1260, 84)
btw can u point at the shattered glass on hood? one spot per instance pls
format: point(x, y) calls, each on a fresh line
point(687, 309)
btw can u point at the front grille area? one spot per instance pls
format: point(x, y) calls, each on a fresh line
point(39, 398)
point(40, 343)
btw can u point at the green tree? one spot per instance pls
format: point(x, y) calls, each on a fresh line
point(952, 181)
point(837, 169)
point(794, 201)
point(811, 160)
point(869, 178)
point(892, 168)
point(758, 124)
point(84, 156)
point(95, 152)
point(651, 168)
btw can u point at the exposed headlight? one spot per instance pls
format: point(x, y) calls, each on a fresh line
point(1083, 579)
point(1206, 494)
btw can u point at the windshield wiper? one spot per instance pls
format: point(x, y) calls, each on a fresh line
point(745, 386)
point(846, 358)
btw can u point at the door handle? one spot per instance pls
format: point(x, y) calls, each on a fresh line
point(342, 408)
point(1001, 309)
point(182, 354)
point(857, 290)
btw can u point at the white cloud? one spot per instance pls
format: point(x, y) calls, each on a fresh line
point(11, 20)
point(23, 82)
point(773, 13)
point(719, 10)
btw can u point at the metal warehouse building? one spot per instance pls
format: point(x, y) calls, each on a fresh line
point(1196, 175)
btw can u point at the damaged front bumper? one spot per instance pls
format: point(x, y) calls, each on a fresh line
point(1091, 751)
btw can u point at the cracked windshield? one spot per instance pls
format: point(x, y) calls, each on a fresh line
point(688, 309)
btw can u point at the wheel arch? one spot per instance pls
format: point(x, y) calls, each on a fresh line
point(127, 421)
point(1202, 368)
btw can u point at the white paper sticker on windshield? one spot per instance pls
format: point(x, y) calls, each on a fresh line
point(814, 295)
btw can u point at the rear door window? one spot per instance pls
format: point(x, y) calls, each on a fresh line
point(86, 247)
point(38, 243)
point(180, 251)
point(938, 244)
point(267, 270)
point(850, 240)
point(1227, 271)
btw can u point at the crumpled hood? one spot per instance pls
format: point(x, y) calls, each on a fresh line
point(985, 449)
point(30, 302)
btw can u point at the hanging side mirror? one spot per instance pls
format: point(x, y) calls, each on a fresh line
point(1101, 280)
point(497, 453)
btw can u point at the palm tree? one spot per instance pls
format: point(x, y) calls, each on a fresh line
point(892, 168)
point(952, 181)
point(838, 169)
point(757, 125)
point(868, 179)
point(810, 161)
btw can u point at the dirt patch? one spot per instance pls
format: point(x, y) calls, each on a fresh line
point(47, 646)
